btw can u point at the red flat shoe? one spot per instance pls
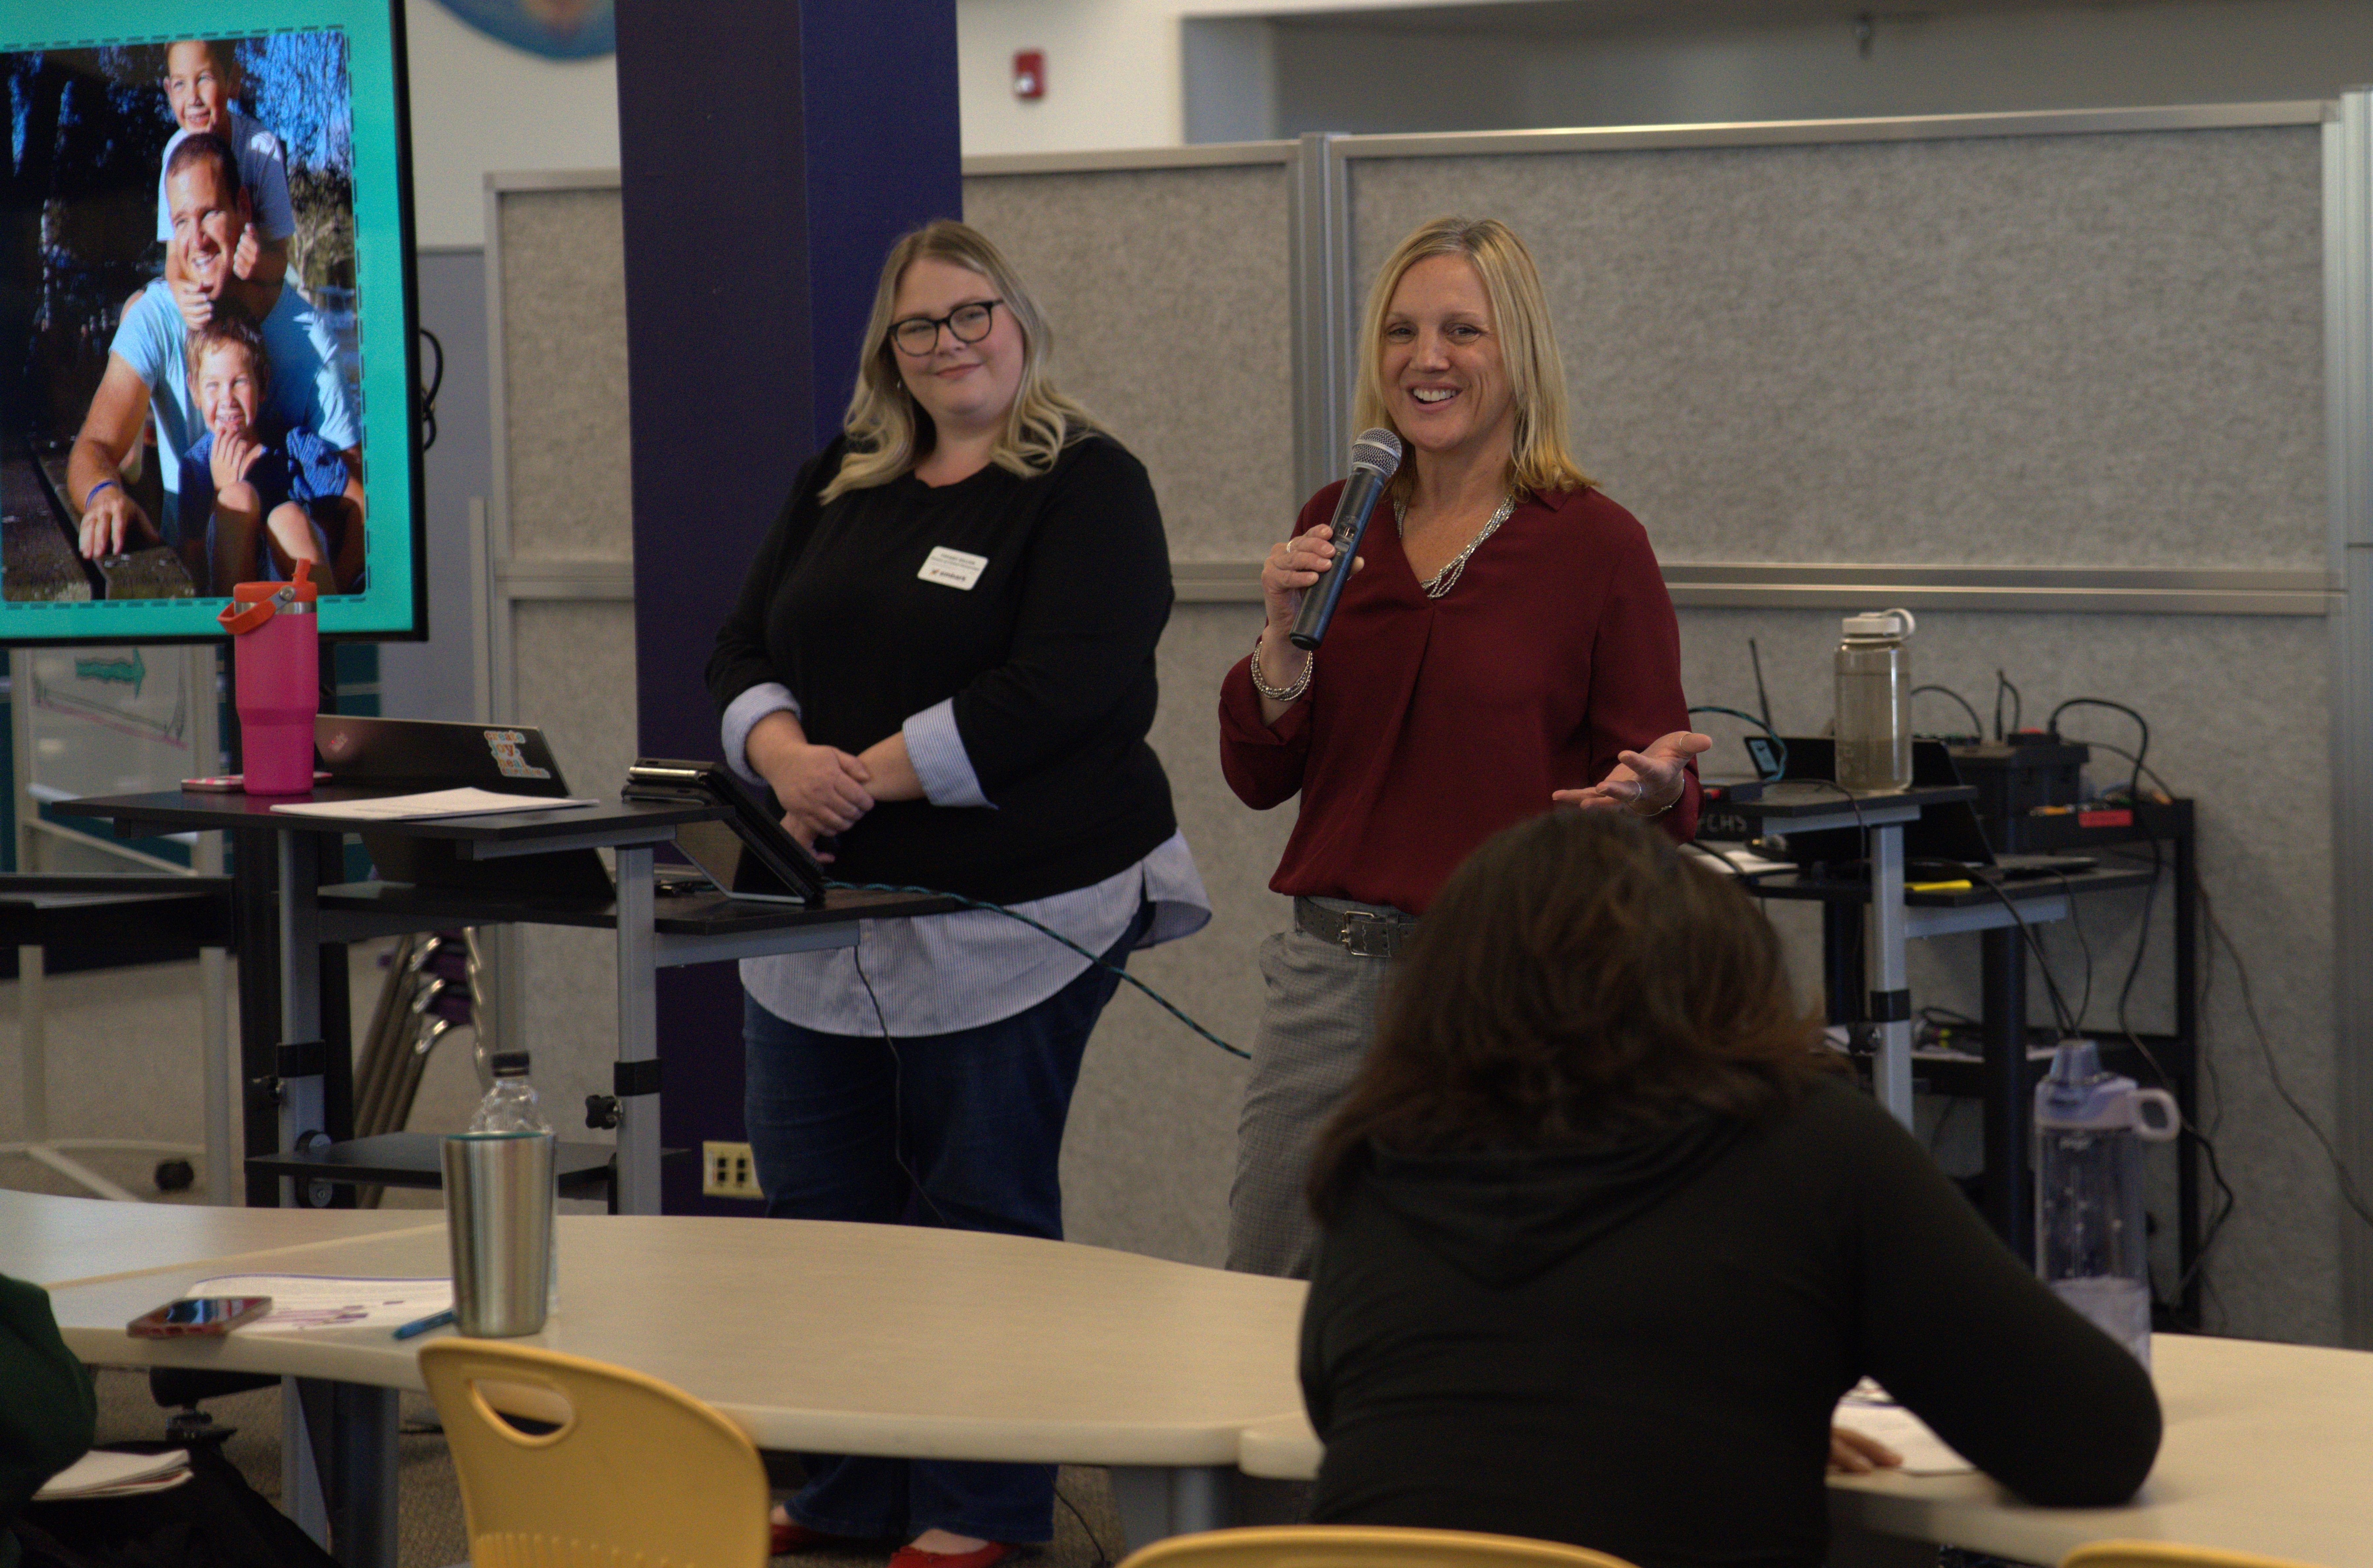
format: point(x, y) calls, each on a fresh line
point(979, 1557)
point(789, 1535)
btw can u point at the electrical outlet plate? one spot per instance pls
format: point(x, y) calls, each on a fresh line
point(726, 1171)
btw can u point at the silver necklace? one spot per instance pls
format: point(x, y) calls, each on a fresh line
point(1442, 581)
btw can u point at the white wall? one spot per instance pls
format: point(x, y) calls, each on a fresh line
point(1114, 69)
point(1118, 71)
point(478, 105)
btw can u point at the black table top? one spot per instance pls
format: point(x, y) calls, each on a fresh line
point(631, 821)
point(187, 811)
point(705, 914)
point(1819, 797)
point(1847, 891)
point(131, 913)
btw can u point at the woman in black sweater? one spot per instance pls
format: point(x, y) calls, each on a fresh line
point(1604, 1243)
point(941, 664)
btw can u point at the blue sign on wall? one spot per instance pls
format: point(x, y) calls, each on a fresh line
point(562, 29)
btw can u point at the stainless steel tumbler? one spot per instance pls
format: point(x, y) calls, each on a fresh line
point(498, 1217)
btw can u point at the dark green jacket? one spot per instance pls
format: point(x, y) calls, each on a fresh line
point(47, 1408)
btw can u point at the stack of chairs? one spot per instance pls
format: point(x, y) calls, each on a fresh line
point(435, 984)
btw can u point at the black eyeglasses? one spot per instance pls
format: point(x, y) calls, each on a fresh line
point(918, 335)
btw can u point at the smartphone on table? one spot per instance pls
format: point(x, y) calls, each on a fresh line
point(198, 1315)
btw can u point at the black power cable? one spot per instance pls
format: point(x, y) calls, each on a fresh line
point(1097, 959)
point(1103, 1558)
point(2349, 1192)
point(1762, 698)
point(429, 393)
point(1779, 769)
point(1977, 725)
point(2141, 749)
point(2018, 707)
point(2061, 1016)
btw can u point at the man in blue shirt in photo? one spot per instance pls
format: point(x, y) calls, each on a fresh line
point(147, 369)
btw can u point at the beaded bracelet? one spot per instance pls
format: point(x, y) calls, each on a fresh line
point(1279, 693)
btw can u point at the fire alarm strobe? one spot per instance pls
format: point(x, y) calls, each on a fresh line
point(1030, 73)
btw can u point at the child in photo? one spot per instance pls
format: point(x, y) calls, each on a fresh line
point(272, 494)
point(200, 78)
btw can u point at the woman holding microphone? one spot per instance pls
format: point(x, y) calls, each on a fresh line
point(941, 663)
point(1507, 643)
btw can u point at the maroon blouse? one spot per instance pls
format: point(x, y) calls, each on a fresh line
point(1431, 724)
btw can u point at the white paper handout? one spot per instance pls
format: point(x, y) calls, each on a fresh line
point(1869, 1410)
point(471, 802)
point(105, 1473)
point(328, 1301)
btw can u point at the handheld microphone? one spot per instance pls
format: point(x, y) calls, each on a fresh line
point(1374, 456)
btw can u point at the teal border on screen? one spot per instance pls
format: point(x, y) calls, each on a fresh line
point(394, 605)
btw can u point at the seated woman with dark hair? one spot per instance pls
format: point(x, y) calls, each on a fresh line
point(1603, 1242)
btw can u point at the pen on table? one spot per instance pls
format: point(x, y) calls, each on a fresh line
point(422, 1325)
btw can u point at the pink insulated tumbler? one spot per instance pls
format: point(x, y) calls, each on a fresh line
point(278, 647)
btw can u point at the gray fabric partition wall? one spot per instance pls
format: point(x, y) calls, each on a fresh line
point(558, 573)
point(2057, 381)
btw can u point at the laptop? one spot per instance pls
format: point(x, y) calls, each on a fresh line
point(406, 756)
point(1946, 843)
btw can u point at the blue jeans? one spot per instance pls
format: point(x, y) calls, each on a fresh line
point(961, 1131)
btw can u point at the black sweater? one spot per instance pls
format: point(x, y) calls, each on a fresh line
point(1049, 657)
point(1638, 1350)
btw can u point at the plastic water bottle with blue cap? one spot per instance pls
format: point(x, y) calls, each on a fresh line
point(2091, 1244)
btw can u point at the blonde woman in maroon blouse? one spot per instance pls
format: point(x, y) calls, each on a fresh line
point(1506, 642)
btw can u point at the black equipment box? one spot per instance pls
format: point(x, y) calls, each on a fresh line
point(1715, 817)
point(2013, 780)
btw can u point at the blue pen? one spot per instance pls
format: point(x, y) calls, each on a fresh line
point(422, 1325)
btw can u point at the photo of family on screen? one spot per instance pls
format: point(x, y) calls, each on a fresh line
point(186, 412)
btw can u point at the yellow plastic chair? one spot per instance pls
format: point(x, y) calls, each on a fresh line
point(1362, 1545)
point(634, 1471)
point(2166, 1554)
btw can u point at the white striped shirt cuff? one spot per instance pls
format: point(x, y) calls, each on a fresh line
point(937, 752)
point(742, 717)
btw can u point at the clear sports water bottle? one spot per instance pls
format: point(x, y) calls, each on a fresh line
point(509, 1108)
point(2091, 1245)
point(1874, 736)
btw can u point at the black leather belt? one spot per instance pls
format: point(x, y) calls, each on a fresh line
point(1366, 934)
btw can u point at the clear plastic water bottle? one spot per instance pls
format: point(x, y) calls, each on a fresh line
point(2091, 1245)
point(1873, 735)
point(510, 1107)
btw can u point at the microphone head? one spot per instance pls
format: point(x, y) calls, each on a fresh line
point(1378, 450)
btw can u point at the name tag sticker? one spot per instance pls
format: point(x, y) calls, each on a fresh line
point(953, 567)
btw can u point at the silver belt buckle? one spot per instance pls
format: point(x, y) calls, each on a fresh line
point(1367, 935)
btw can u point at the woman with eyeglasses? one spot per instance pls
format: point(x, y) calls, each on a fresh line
point(941, 665)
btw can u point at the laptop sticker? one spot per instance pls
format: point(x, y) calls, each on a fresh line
point(509, 761)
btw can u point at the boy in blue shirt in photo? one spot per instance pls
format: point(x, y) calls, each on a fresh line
point(272, 494)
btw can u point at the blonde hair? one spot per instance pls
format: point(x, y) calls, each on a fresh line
point(1538, 459)
point(886, 434)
